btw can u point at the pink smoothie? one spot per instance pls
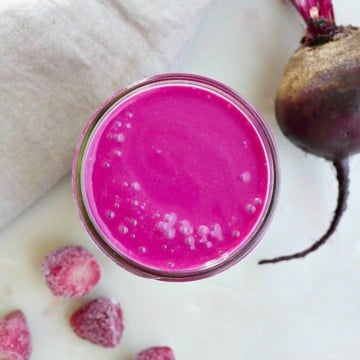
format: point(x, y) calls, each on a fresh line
point(175, 177)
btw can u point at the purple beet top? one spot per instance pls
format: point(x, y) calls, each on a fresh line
point(175, 177)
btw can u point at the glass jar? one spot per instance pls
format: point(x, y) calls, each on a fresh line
point(175, 177)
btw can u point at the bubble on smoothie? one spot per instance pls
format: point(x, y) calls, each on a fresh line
point(142, 249)
point(133, 222)
point(209, 244)
point(185, 227)
point(208, 96)
point(132, 236)
point(166, 228)
point(118, 153)
point(106, 164)
point(170, 233)
point(120, 137)
point(245, 176)
point(135, 202)
point(236, 234)
point(171, 264)
point(190, 240)
point(245, 144)
point(118, 123)
point(203, 231)
point(158, 151)
point(128, 125)
point(250, 208)
point(171, 218)
point(156, 215)
point(110, 214)
point(123, 229)
point(116, 201)
point(257, 201)
point(163, 226)
point(136, 186)
point(216, 232)
point(129, 115)
point(125, 184)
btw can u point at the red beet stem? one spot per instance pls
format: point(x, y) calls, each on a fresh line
point(312, 10)
point(320, 20)
point(342, 175)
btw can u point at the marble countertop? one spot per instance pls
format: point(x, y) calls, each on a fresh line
point(307, 309)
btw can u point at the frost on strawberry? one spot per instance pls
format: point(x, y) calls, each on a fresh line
point(156, 353)
point(15, 338)
point(70, 271)
point(100, 321)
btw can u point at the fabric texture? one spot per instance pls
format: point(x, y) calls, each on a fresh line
point(59, 60)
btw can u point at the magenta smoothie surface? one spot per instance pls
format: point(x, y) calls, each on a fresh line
point(175, 177)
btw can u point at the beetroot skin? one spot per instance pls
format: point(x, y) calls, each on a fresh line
point(317, 104)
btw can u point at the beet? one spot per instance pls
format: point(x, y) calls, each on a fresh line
point(317, 104)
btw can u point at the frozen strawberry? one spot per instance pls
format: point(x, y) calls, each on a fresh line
point(70, 271)
point(15, 338)
point(156, 353)
point(100, 321)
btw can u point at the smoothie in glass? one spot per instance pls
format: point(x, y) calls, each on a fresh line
point(176, 177)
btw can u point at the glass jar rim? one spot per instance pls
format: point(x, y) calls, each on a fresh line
point(262, 223)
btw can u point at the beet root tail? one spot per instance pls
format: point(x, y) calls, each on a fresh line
point(342, 175)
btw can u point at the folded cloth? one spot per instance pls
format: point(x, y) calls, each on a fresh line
point(59, 60)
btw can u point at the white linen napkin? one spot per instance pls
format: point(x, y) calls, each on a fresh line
point(59, 60)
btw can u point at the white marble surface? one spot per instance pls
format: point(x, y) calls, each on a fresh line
point(305, 309)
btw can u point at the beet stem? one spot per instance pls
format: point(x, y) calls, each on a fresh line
point(311, 10)
point(320, 20)
point(342, 175)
